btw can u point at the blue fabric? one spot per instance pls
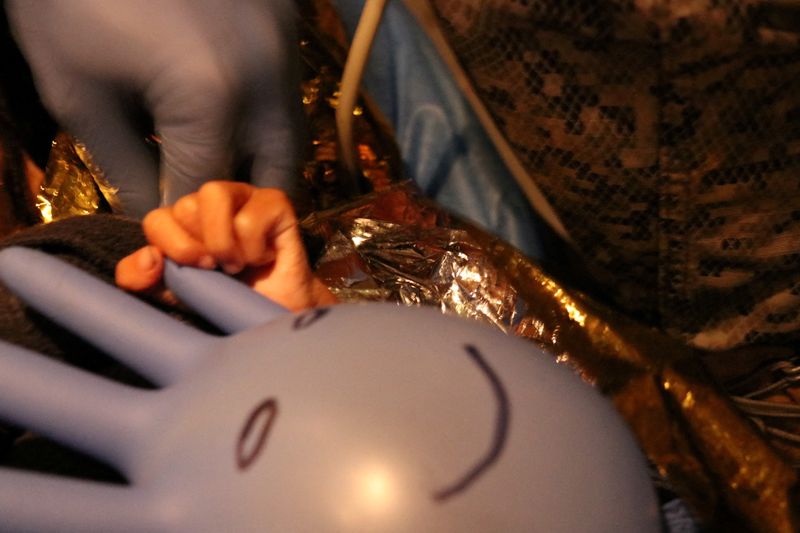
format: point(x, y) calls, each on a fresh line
point(443, 145)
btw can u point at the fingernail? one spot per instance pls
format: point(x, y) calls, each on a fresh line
point(146, 258)
point(207, 262)
point(232, 268)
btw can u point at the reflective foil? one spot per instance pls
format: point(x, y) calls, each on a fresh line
point(375, 238)
point(395, 245)
point(73, 183)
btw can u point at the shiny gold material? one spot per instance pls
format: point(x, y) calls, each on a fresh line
point(707, 451)
point(392, 244)
point(73, 183)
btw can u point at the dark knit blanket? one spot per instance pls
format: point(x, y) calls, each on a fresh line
point(93, 243)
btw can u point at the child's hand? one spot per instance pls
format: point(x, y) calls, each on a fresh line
point(248, 232)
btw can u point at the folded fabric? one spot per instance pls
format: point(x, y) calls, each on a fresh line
point(443, 145)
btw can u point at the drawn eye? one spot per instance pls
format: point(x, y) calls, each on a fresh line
point(309, 317)
point(255, 432)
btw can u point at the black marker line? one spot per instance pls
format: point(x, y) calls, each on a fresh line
point(245, 458)
point(309, 317)
point(500, 430)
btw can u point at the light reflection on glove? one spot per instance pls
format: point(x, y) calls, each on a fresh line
point(218, 79)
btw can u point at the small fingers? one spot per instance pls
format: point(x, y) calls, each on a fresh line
point(247, 231)
point(186, 212)
point(268, 225)
point(141, 270)
point(219, 203)
point(164, 231)
point(259, 223)
point(199, 230)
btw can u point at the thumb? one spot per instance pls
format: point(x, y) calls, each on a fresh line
point(141, 270)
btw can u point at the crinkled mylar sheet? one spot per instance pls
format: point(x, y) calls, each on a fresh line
point(708, 453)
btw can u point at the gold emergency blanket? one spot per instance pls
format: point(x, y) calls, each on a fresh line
point(396, 245)
point(73, 184)
point(389, 243)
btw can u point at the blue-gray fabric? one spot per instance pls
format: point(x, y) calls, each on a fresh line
point(443, 145)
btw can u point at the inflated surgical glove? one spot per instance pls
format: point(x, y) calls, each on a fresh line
point(373, 417)
point(217, 78)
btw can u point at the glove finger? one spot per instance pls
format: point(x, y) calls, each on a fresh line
point(275, 148)
point(218, 204)
point(118, 148)
point(193, 110)
point(97, 117)
point(274, 130)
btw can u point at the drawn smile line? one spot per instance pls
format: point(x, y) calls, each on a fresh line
point(502, 421)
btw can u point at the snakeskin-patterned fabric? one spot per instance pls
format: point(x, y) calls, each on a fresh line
point(666, 134)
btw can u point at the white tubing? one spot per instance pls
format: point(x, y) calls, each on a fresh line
point(351, 78)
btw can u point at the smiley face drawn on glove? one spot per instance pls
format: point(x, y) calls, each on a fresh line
point(270, 428)
point(255, 431)
point(257, 425)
